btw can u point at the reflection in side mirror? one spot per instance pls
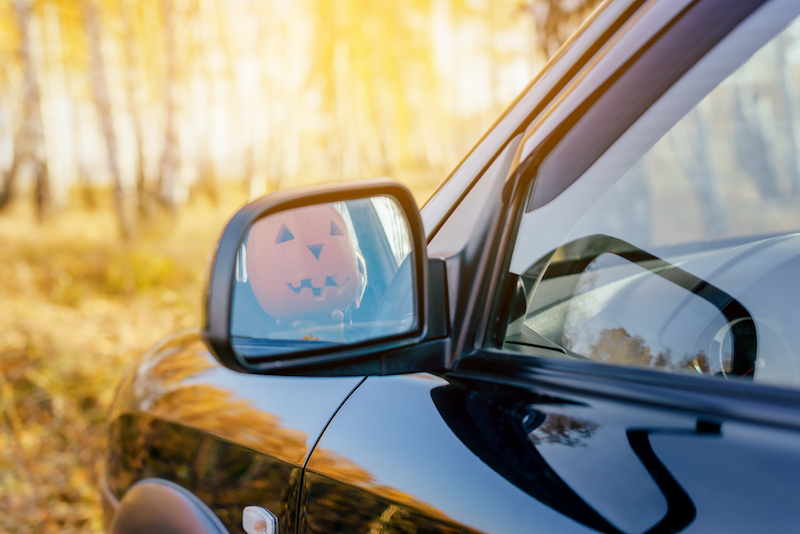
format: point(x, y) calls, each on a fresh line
point(323, 274)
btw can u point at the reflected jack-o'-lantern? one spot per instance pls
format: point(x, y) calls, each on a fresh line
point(302, 264)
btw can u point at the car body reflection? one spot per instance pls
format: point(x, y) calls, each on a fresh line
point(231, 442)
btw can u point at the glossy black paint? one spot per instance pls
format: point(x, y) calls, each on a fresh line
point(224, 475)
point(479, 455)
point(233, 440)
point(329, 506)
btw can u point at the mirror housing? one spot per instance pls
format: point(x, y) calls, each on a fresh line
point(415, 343)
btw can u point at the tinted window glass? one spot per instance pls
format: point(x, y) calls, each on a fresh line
point(688, 261)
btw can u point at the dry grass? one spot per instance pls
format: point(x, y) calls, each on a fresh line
point(77, 306)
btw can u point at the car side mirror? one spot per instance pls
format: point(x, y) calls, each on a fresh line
point(330, 280)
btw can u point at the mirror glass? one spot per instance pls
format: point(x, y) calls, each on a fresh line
point(330, 273)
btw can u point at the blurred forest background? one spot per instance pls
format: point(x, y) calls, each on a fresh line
point(130, 130)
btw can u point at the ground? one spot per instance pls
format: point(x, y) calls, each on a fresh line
point(77, 306)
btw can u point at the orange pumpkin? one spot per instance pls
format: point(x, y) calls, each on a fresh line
point(302, 264)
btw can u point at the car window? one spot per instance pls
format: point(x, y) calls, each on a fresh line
point(688, 260)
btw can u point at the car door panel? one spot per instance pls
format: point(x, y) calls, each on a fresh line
point(391, 447)
point(330, 506)
point(422, 453)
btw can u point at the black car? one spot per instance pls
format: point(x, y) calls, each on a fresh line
point(592, 326)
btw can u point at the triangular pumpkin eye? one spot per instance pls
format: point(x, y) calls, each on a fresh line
point(335, 230)
point(284, 235)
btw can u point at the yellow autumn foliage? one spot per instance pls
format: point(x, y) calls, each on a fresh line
point(77, 307)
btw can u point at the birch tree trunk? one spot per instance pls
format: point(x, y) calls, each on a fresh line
point(275, 36)
point(29, 143)
point(168, 180)
point(206, 182)
point(133, 64)
point(751, 149)
point(555, 21)
point(343, 81)
point(693, 153)
point(103, 103)
point(786, 110)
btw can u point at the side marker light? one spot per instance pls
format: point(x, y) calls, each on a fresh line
point(257, 520)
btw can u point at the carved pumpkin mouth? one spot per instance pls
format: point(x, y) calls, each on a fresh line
point(319, 293)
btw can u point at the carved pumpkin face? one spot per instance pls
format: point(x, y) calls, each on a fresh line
point(301, 263)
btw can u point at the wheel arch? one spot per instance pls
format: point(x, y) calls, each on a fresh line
point(155, 505)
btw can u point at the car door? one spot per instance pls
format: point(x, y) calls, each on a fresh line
point(626, 339)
